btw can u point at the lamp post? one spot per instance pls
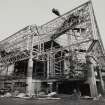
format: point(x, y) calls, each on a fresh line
point(56, 12)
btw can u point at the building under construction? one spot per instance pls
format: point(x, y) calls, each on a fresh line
point(62, 55)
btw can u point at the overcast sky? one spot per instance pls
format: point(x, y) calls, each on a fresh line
point(17, 14)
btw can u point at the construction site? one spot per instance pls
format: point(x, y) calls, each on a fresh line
point(59, 56)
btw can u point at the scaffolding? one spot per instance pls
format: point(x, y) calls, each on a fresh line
point(69, 38)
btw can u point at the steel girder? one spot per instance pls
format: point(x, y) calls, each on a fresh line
point(79, 25)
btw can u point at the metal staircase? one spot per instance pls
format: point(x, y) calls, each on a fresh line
point(57, 68)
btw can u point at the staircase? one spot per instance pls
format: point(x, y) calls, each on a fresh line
point(57, 68)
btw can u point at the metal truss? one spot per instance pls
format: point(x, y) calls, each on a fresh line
point(78, 25)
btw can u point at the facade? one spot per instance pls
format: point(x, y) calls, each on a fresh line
point(64, 54)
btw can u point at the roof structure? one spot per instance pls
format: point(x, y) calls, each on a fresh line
point(76, 30)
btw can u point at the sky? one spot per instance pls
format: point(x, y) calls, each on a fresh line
point(17, 14)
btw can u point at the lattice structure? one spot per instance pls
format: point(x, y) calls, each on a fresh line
point(79, 28)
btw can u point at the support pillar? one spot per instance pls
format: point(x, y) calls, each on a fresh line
point(48, 66)
point(51, 72)
point(50, 86)
point(91, 80)
point(101, 81)
point(29, 89)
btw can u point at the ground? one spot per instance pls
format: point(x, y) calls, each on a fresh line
point(62, 101)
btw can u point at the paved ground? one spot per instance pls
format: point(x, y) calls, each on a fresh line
point(63, 101)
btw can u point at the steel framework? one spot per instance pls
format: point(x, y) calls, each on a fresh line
point(82, 39)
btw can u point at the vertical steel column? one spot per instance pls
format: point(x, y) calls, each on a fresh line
point(101, 81)
point(48, 65)
point(29, 77)
point(91, 80)
point(30, 88)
